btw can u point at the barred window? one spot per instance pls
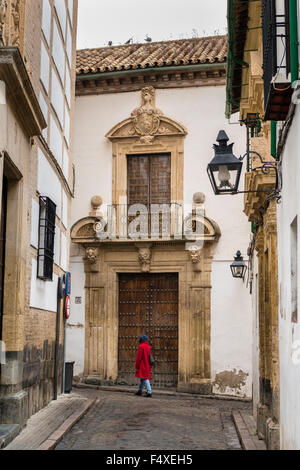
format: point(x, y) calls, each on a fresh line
point(46, 239)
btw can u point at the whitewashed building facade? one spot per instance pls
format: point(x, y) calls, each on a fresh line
point(201, 336)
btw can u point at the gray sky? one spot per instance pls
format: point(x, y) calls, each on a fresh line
point(101, 21)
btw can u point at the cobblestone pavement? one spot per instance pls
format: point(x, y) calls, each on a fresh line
point(122, 421)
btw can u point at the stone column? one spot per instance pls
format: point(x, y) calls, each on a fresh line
point(262, 409)
point(14, 400)
point(272, 425)
point(94, 368)
point(199, 295)
point(268, 408)
point(3, 132)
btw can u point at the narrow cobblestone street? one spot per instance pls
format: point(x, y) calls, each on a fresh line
point(122, 421)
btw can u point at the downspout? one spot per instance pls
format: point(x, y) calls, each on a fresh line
point(274, 139)
point(294, 40)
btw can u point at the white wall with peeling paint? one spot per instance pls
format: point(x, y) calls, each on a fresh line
point(231, 349)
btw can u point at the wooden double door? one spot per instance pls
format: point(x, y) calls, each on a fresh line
point(148, 304)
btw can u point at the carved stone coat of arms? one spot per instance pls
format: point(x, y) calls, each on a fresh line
point(146, 118)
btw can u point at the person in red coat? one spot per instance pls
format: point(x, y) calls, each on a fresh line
point(142, 366)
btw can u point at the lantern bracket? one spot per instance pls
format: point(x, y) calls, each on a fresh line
point(266, 168)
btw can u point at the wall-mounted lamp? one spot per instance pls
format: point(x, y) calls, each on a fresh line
point(225, 169)
point(238, 267)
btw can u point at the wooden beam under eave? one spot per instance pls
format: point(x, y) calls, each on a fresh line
point(160, 79)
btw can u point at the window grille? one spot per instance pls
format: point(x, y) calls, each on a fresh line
point(269, 43)
point(46, 239)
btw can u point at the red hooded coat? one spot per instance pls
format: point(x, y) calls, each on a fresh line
point(142, 363)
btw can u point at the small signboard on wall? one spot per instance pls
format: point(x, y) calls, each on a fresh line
point(66, 292)
point(67, 307)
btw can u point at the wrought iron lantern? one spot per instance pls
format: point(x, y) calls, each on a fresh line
point(224, 170)
point(238, 267)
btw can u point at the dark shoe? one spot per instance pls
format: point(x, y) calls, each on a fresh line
point(149, 395)
point(139, 393)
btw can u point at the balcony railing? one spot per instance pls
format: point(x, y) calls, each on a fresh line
point(157, 222)
point(277, 85)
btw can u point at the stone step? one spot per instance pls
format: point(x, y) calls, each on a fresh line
point(156, 391)
point(8, 432)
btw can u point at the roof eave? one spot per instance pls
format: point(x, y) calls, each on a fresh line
point(95, 75)
point(234, 57)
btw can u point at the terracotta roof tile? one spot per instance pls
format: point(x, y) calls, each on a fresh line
point(155, 54)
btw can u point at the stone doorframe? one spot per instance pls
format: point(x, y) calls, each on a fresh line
point(110, 297)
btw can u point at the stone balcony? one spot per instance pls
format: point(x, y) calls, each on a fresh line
point(254, 202)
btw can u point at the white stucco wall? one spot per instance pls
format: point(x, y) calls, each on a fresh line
point(231, 323)
point(55, 99)
point(201, 111)
point(289, 332)
point(43, 295)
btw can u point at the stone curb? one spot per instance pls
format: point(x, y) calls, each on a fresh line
point(57, 435)
point(245, 424)
point(112, 388)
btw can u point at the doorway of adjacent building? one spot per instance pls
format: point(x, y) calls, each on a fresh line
point(2, 247)
point(9, 248)
point(3, 217)
point(148, 304)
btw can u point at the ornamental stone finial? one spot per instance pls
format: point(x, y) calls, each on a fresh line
point(199, 198)
point(96, 203)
